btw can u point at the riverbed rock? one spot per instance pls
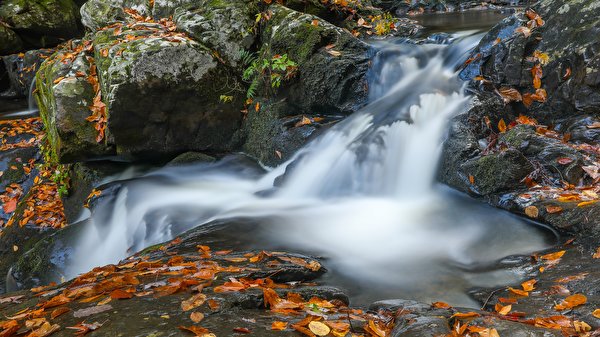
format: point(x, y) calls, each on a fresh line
point(20, 70)
point(41, 23)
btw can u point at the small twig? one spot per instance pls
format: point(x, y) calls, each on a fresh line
point(490, 297)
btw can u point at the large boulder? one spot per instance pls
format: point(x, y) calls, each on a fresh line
point(162, 92)
point(10, 42)
point(529, 142)
point(330, 82)
point(41, 23)
point(64, 96)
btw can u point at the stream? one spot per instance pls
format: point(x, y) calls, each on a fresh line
point(362, 195)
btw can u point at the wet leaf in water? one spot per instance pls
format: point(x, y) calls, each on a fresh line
point(571, 302)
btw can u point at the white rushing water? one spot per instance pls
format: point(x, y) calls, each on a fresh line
point(362, 193)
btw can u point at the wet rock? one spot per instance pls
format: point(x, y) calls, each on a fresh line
point(191, 158)
point(20, 70)
point(47, 260)
point(41, 23)
point(64, 107)
point(330, 82)
point(10, 42)
point(327, 82)
point(273, 137)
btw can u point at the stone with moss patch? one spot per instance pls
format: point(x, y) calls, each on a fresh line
point(41, 23)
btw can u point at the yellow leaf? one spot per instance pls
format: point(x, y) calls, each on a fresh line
point(318, 328)
point(503, 310)
point(532, 211)
point(596, 313)
point(279, 325)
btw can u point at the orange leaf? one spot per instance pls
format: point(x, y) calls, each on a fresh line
point(59, 311)
point(553, 256)
point(518, 292)
point(502, 126)
point(571, 302)
point(441, 305)
point(193, 302)
point(529, 285)
point(553, 209)
point(196, 317)
point(279, 325)
point(120, 294)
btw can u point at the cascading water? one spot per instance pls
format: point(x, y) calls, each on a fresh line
point(361, 194)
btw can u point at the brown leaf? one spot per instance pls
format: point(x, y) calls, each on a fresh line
point(553, 256)
point(59, 311)
point(119, 294)
point(553, 209)
point(510, 95)
point(441, 305)
point(564, 160)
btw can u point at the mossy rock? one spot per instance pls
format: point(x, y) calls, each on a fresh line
point(327, 82)
point(99, 13)
point(64, 107)
point(10, 42)
point(42, 23)
point(226, 27)
point(163, 94)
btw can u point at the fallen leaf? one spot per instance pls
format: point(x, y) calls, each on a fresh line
point(193, 302)
point(196, 317)
point(532, 211)
point(10, 206)
point(91, 310)
point(529, 285)
point(502, 126)
point(242, 330)
point(318, 328)
point(596, 313)
point(571, 302)
point(518, 292)
point(564, 160)
point(59, 311)
point(553, 256)
point(279, 325)
point(553, 209)
point(503, 310)
point(441, 305)
point(119, 294)
point(595, 256)
point(510, 95)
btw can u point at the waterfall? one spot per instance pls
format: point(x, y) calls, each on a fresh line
point(362, 193)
